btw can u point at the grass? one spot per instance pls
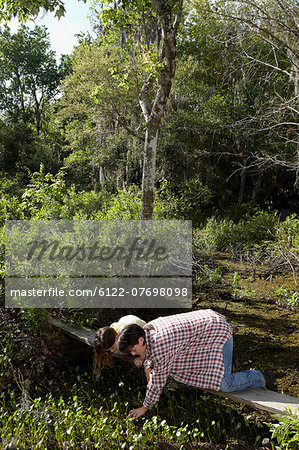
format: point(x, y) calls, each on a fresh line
point(50, 408)
point(95, 415)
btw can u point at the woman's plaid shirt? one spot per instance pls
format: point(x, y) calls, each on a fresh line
point(187, 347)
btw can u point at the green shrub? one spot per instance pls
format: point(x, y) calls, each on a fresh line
point(286, 431)
point(48, 197)
point(10, 200)
point(288, 231)
point(35, 319)
point(226, 235)
point(43, 195)
point(79, 205)
point(166, 205)
point(287, 238)
point(125, 205)
point(185, 204)
point(287, 297)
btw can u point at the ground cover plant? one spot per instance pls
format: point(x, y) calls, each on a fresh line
point(49, 404)
point(71, 410)
point(286, 431)
point(49, 401)
point(98, 420)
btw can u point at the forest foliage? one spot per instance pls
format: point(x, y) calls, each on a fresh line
point(229, 135)
point(72, 146)
point(72, 132)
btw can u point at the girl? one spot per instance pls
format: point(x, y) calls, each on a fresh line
point(105, 345)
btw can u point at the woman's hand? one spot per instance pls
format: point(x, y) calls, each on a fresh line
point(135, 413)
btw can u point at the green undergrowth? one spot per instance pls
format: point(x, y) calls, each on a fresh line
point(48, 403)
point(258, 237)
point(76, 412)
point(286, 431)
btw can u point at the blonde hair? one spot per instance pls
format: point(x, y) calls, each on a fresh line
point(104, 339)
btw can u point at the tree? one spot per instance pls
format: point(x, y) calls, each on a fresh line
point(230, 118)
point(101, 117)
point(24, 9)
point(219, 123)
point(275, 24)
point(30, 78)
point(169, 15)
point(29, 84)
point(153, 25)
point(166, 16)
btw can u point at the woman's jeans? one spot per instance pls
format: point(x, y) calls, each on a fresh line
point(238, 380)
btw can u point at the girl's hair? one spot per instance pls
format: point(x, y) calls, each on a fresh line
point(105, 338)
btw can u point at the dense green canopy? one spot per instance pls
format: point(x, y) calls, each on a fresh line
point(228, 94)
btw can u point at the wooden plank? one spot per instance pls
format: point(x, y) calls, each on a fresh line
point(85, 335)
point(263, 399)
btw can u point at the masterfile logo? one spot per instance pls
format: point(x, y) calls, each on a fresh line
point(139, 249)
point(98, 248)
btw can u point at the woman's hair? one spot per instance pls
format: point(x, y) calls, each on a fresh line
point(129, 337)
point(105, 338)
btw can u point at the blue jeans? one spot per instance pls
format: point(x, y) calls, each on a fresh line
point(238, 380)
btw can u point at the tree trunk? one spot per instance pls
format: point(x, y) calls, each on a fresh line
point(149, 172)
point(242, 186)
point(101, 176)
point(153, 112)
point(257, 186)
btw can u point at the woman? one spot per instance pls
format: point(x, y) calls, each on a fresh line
point(105, 344)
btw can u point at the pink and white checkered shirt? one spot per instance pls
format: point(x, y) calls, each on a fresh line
point(188, 347)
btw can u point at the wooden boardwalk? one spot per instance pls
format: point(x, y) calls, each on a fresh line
point(263, 399)
point(85, 335)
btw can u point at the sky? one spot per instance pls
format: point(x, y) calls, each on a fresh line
point(62, 32)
